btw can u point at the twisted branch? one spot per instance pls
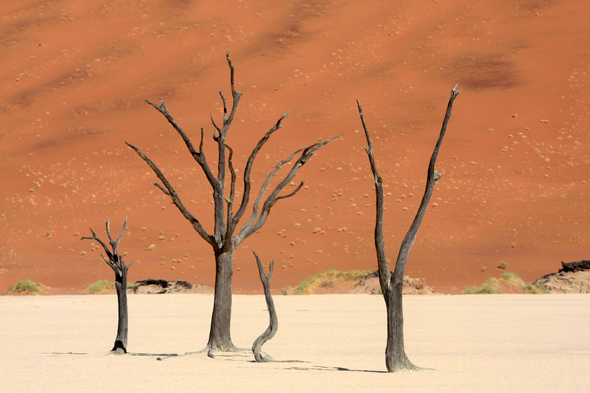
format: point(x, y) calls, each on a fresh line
point(174, 196)
point(273, 325)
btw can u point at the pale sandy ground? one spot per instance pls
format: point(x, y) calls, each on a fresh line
point(503, 343)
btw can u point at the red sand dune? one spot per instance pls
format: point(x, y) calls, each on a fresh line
point(515, 160)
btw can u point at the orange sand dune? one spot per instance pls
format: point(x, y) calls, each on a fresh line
point(515, 160)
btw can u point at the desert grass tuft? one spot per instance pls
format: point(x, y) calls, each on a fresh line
point(26, 287)
point(510, 279)
point(503, 265)
point(535, 289)
point(101, 286)
point(489, 288)
point(328, 279)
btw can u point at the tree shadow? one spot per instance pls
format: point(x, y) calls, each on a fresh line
point(229, 356)
point(159, 356)
point(325, 368)
point(64, 353)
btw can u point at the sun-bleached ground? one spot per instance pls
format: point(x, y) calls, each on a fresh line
point(501, 343)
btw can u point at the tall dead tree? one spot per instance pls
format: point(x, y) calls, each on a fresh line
point(396, 359)
point(226, 237)
point(116, 263)
point(273, 324)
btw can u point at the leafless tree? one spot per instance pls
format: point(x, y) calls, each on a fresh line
point(116, 263)
point(396, 359)
point(273, 324)
point(226, 237)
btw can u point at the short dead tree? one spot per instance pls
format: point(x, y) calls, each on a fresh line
point(226, 236)
point(396, 359)
point(273, 324)
point(115, 261)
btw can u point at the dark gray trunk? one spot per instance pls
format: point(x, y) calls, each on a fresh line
point(123, 326)
point(219, 335)
point(395, 353)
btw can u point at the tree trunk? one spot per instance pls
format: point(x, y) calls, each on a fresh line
point(123, 326)
point(219, 335)
point(395, 353)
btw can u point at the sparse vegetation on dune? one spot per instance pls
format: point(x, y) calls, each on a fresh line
point(508, 281)
point(503, 265)
point(26, 287)
point(489, 288)
point(101, 286)
point(535, 289)
point(511, 279)
point(328, 279)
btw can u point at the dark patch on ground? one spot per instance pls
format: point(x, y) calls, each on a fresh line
point(293, 29)
point(477, 71)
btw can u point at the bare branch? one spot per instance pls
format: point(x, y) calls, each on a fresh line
point(306, 154)
point(197, 155)
point(201, 144)
point(232, 68)
point(124, 227)
point(230, 201)
point(431, 179)
point(164, 111)
point(248, 169)
point(384, 272)
point(94, 237)
point(165, 191)
point(115, 244)
point(215, 125)
point(290, 194)
point(224, 107)
point(236, 95)
point(114, 261)
point(256, 207)
point(174, 196)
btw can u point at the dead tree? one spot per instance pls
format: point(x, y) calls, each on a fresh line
point(273, 324)
point(116, 263)
point(226, 237)
point(392, 284)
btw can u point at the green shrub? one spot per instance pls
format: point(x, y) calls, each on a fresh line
point(509, 275)
point(511, 279)
point(327, 284)
point(489, 288)
point(100, 287)
point(353, 274)
point(535, 289)
point(26, 287)
point(485, 289)
point(303, 287)
point(503, 265)
point(328, 277)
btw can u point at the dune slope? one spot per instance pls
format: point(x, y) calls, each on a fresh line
point(74, 77)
